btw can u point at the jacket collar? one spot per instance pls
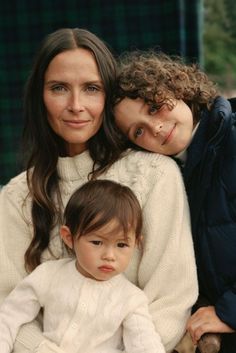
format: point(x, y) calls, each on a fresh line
point(214, 126)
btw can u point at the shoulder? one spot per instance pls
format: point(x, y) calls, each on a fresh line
point(220, 115)
point(142, 171)
point(130, 290)
point(144, 157)
point(148, 164)
point(51, 267)
point(47, 275)
point(223, 120)
point(56, 263)
point(15, 194)
point(18, 185)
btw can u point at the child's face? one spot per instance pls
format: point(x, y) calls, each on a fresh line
point(163, 131)
point(104, 253)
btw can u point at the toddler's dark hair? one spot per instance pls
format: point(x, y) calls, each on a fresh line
point(97, 202)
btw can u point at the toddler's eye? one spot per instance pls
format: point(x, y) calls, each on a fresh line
point(122, 245)
point(138, 132)
point(96, 242)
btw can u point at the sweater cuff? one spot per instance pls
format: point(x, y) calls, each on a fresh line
point(30, 336)
point(4, 347)
point(225, 308)
point(48, 347)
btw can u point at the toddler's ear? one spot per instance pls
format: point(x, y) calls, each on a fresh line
point(66, 236)
point(139, 242)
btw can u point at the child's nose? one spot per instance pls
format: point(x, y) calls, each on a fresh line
point(157, 127)
point(109, 254)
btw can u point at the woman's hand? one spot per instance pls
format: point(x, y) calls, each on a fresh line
point(205, 320)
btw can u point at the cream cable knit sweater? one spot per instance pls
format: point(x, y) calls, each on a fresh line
point(165, 269)
point(81, 315)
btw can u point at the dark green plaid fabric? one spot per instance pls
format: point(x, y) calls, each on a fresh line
point(170, 25)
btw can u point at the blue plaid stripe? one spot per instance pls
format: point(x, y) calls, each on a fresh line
point(171, 25)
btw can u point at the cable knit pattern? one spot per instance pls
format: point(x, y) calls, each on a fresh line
point(77, 309)
point(164, 268)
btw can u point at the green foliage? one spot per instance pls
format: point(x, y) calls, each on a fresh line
point(220, 42)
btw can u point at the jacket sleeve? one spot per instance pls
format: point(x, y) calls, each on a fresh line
point(226, 307)
point(15, 235)
point(167, 270)
point(22, 305)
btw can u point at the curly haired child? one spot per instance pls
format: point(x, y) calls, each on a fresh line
point(166, 106)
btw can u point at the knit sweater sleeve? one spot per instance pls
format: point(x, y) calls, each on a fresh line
point(139, 334)
point(167, 271)
point(15, 235)
point(22, 305)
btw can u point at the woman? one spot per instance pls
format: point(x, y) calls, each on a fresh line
point(67, 139)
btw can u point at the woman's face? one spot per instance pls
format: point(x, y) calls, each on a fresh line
point(74, 98)
point(163, 131)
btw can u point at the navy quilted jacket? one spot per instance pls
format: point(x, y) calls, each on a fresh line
point(210, 180)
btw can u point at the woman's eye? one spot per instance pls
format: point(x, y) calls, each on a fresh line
point(58, 88)
point(138, 132)
point(122, 245)
point(93, 89)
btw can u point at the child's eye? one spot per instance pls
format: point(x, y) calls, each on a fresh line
point(153, 109)
point(96, 242)
point(138, 132)
point(122, 245)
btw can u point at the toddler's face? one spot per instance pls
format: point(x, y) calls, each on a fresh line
point(104, 253)
point(163, 131)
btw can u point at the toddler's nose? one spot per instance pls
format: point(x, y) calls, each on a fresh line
point(109, 255)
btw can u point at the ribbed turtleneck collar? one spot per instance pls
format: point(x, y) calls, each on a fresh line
point(69, 168)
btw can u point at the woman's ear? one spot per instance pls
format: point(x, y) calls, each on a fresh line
point(66, 236)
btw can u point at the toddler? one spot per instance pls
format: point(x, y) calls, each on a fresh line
point(166, 106)
point(88, 304)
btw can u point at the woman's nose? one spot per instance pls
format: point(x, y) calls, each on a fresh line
point(76, 103)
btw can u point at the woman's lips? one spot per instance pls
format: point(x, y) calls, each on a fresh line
point(76, 123)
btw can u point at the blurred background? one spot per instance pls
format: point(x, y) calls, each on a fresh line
point(202, 31)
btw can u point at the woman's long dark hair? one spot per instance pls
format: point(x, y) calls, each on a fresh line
point(42, 146)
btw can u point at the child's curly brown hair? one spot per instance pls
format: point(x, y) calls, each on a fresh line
point(161, 79)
